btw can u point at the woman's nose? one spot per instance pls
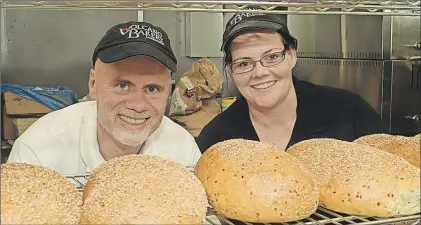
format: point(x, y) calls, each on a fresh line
point(260, 71)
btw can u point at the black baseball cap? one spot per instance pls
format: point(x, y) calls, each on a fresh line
point(133, 39)
point(252, 20)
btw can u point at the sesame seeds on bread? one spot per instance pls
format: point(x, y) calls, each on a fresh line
point(33, 194)
point(417, 138)
point(143, 189)
point(406, 147)
point(360, 180)
point(254, 182)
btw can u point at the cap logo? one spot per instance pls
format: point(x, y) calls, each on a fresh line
point(136, 31)
point(239, 16)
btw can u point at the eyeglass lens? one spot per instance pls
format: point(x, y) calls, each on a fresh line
point(247, 65)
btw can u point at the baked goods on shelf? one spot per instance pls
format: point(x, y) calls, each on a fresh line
point(255, 182)
point(417, 137)
point(143, 189)
point(360, 180)
point(405, 147)
point(33, 194)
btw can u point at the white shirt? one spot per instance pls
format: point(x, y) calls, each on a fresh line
point(66, 141)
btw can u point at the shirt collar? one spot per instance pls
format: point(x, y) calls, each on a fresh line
point(89, 140)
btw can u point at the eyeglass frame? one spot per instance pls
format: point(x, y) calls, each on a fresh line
point(283, 53)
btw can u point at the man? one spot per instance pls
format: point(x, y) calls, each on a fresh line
point(130, 83)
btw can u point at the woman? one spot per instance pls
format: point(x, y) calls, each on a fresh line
point(276, 107)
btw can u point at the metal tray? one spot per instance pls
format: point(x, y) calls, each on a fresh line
point(321, 216)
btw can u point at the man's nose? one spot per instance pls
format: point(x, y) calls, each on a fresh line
point(137, 101)
point(260, 71)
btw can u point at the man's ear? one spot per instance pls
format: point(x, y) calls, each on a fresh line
point(91, 84)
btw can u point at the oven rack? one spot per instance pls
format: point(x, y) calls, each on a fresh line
point(308, 7)
point(321, 216)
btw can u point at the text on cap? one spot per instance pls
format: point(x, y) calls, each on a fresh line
point(135, 30)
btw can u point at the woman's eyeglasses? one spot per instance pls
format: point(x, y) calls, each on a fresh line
point(246, 65)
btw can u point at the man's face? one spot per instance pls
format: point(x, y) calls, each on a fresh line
point(131, 97)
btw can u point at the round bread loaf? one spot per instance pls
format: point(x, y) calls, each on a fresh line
point(254, 182)
point(405, 147)
point(37, 195)
point(417, 137)
point(143, 189)
point(360, 180)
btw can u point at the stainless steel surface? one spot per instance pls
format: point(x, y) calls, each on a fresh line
point(359, 76)
point(53, 47)
point(309, 7)
point(321, 216)
point(387, 92)
point(337, 36)
point(382, 67)
point(391, 87)
point(386, 37)
point(404, 67)
point(406, 97)
point(405, 35)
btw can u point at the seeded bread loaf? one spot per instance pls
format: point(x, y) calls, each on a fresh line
point(33, 194)
point(406, 147)
point(359, 179)
point(254, 182)
point(417, 138)
point(143, 189)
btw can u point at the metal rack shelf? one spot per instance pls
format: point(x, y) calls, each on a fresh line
point(321, 216)
point(327, 217)
point(309, 7)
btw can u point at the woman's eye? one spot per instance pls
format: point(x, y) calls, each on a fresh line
point(273, 56)
point(243, 64)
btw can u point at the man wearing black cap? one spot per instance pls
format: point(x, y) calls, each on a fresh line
point(130, 83)
point(275, 107)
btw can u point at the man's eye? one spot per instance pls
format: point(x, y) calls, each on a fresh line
point(123, 85)
point(152, 90)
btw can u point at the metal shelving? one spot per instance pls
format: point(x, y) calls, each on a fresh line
point(321, 216)
point(327, 217)
point(309, 7)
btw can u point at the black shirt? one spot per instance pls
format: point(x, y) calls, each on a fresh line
point(322, 112)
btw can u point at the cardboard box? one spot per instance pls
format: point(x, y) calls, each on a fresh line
point(21, 124)
point(8, 128)
point(14, 108)
point(16, 105)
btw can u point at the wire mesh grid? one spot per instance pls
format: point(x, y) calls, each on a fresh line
point(324, 7)
point(321, 216)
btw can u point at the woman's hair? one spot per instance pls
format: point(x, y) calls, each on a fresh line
point(290, 42)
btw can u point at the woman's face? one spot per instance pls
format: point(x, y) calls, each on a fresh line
point(263, 87)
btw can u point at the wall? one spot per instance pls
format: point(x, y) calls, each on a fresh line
point(173, 24)
point(55, 47)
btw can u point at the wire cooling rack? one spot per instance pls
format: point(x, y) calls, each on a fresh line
point(321, 216)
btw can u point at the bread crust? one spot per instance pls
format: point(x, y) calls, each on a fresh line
point(254, 182)
point(361, 180)
point(143, 189)
point(406, 147)
point(32, 194)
